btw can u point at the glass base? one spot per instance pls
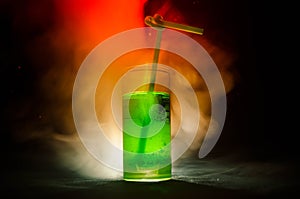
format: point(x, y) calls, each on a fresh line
point(147, 179)
point(150, 176)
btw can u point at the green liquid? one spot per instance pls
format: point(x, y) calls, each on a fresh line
point(146, 136)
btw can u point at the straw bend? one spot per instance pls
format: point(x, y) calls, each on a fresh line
point(157, 21)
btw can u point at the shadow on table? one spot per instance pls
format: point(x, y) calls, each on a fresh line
point(38, 175)
point(79, 188)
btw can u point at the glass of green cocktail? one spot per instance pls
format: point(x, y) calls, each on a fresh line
point(147, 132)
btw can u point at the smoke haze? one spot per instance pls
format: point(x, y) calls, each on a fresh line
point(51, 39)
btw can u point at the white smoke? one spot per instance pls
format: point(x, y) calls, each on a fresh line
point(57, 55)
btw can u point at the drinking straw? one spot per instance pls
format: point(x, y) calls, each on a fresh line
point(155, 59)
point(142, 142)
point(159, 24)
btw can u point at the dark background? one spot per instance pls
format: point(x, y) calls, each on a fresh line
point(254, 129)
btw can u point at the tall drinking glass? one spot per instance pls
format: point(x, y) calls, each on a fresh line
point(146, 126)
